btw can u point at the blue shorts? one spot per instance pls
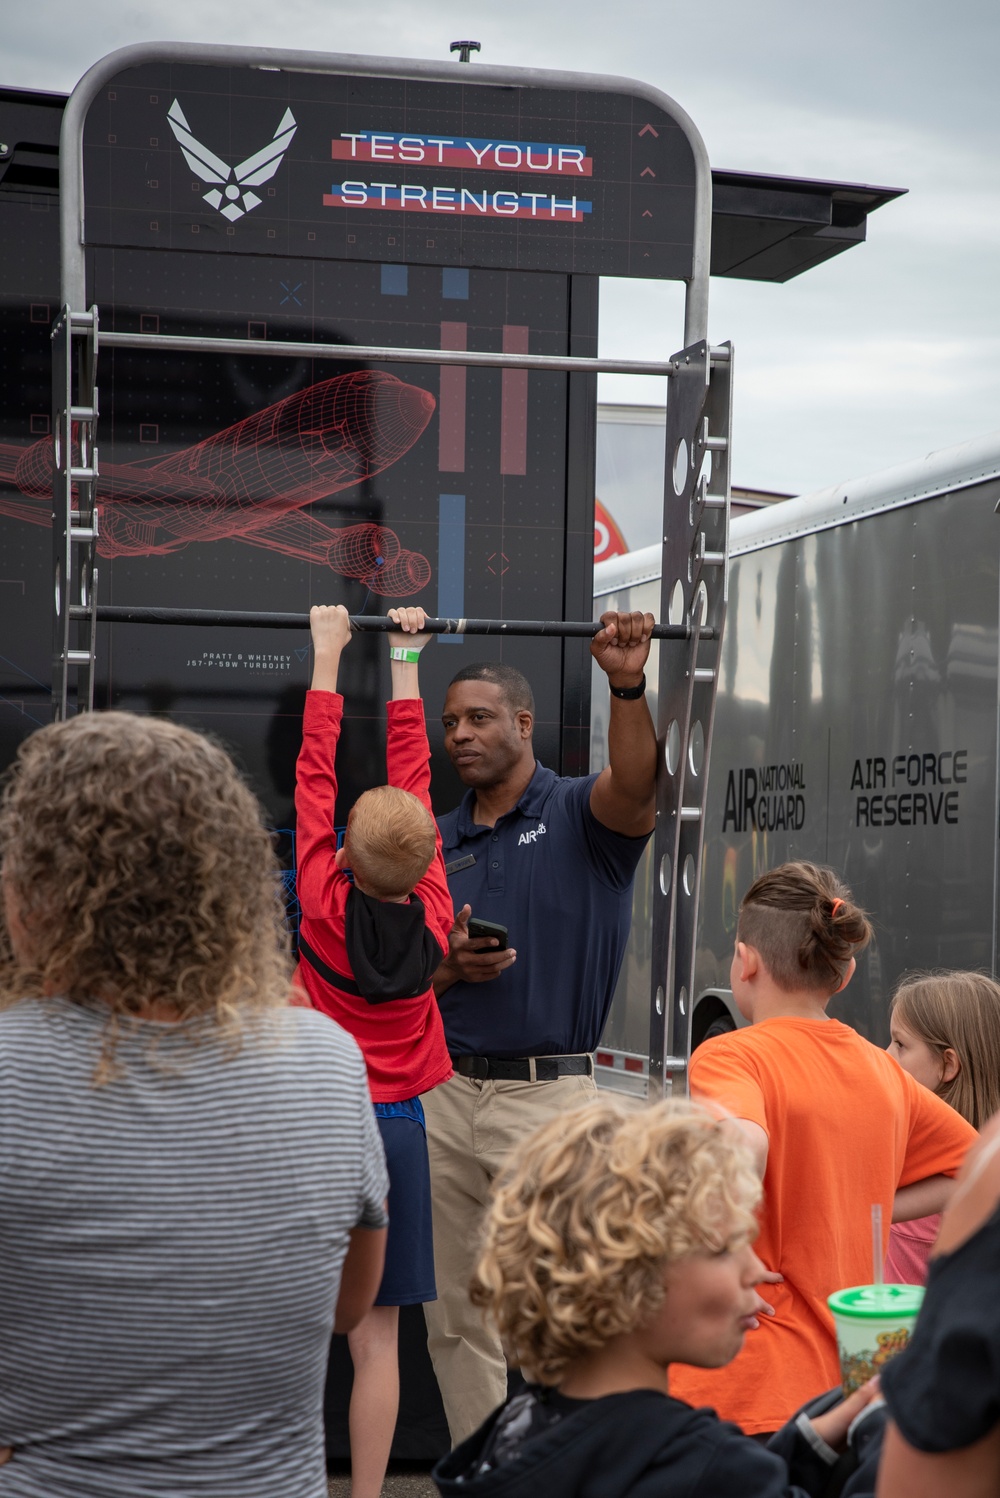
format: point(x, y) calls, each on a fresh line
point(408, 1277)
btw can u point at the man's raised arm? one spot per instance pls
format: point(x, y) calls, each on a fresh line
point(624, 794)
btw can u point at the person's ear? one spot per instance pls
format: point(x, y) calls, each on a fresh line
point(341, 859)
point(950, 1065)
point(849, 972)
point(749, 961)
point(525, 723)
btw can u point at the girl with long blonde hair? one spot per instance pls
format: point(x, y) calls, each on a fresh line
point(945, 1030)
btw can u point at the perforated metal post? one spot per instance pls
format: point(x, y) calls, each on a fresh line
point(694, 591)
point(74, 504)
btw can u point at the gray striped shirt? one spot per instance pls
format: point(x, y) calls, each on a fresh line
point(170, 1253)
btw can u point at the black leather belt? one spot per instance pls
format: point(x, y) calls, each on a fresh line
point(523, 1068)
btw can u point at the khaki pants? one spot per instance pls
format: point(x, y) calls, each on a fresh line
point(471, 1128)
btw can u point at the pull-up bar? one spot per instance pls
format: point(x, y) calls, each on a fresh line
point(380, 354)
point(369, 623)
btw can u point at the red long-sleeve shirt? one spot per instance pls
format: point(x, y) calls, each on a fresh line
point(402, 1040)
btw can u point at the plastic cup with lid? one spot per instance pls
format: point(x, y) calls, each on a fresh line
point(873, 1323)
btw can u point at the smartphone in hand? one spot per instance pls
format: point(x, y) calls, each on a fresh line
point(480, 929)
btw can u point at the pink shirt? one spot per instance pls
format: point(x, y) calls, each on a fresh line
point(909, 1252)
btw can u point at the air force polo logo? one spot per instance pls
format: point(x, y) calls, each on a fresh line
point(532, 835)
point(233, 182)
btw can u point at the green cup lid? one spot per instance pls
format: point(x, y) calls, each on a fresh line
point(876, 1302)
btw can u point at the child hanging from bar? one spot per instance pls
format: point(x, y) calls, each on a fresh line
point(618, 1242)
point(367, 953)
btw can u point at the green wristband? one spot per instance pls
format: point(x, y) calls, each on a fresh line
point(401, 653)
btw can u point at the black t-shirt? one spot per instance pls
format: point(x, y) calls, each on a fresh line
point(943, 1391)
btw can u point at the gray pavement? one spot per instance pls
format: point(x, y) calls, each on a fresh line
point(402, 1482)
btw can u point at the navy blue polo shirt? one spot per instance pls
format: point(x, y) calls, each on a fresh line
point(562, 885)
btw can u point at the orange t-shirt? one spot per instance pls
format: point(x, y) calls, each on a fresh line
point(846, 1126)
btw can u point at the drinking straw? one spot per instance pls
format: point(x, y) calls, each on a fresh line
point(877, 1243)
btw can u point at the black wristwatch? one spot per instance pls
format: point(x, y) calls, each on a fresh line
point(629, 694)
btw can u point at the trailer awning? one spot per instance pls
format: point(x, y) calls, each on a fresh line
point(774, 228)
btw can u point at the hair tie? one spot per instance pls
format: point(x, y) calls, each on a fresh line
point(836, 904)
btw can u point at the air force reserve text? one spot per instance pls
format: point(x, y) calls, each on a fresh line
point(910, 790)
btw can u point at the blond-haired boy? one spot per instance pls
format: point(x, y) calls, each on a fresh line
point(619, 1242)
point(368, 951)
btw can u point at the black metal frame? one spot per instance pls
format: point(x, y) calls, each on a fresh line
point(696, 500)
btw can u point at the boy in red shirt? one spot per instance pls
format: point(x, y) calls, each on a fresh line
point(368, 952)
point(835, 1124)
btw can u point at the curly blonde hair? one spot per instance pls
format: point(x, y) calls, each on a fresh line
point(589, 1213)
point(139, 872)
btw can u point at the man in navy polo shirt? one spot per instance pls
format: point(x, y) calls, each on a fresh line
point(552, 858)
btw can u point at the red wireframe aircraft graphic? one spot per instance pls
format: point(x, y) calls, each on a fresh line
point(249, 482)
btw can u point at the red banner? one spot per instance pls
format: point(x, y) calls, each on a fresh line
point(608, 539)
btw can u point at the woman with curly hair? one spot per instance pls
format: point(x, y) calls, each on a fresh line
point(191, 1181)
point(619, 1242)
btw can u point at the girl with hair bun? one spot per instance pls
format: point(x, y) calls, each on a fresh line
point(945, 1030)
point(835, 1125)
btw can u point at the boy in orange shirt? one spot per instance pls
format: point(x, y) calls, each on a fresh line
point(835, 1124)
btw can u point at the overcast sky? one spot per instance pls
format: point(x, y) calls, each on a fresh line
point(884, 353)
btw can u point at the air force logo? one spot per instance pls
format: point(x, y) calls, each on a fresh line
point(533, 835)
point(233, 182)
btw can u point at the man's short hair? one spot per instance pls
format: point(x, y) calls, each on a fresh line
point(514, 687)
point(390, 842)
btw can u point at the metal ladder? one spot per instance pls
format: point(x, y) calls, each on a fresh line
point(694, 589)
point(74, 518)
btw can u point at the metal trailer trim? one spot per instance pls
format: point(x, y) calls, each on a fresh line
point(940, 472)
point(624, 1073)
point(71, 206)
point(632, 568)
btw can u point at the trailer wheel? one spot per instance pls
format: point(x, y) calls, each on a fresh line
point(721, 1026)
point(712, 1016)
